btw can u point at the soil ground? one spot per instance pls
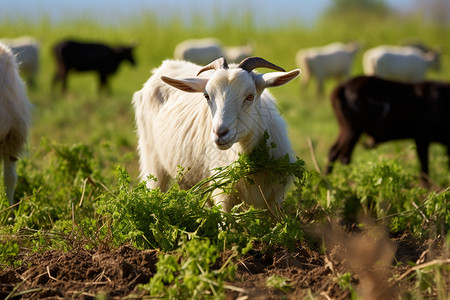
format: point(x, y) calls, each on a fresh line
point(83, 274)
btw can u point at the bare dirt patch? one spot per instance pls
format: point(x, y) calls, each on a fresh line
point(83, 274)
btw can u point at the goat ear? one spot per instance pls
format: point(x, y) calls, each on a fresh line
point(190, 85)
point(276, 78)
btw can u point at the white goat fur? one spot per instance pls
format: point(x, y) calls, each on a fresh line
point(333, 60)
point(399, 63)
point(178, 128)
point(26, 50)
point(204, 51)
point(14, 118)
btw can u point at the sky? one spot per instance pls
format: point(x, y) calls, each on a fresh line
point(111, 11)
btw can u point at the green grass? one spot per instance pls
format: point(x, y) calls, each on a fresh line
point(78, 177)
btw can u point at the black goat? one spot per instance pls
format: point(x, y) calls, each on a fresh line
point(388, 110)
point(72, 55)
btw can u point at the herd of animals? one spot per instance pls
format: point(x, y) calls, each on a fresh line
point(207, 106)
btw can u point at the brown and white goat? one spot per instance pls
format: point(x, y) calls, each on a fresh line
point(388, 110)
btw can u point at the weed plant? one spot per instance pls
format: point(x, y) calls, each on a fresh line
point(194, 276)
point(153, 219)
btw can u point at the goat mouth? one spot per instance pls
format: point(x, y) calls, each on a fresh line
point(224, 144)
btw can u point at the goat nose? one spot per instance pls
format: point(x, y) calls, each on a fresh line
point(221, 132)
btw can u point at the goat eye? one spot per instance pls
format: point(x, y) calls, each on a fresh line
point(250, 97)
point(206, 96)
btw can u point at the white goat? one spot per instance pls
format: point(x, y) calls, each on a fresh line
point(333, 60)
point(203, 51)
point(26, 50)
point(176, 128)
point(399, 63)
point(14, 118)
point(199, 51)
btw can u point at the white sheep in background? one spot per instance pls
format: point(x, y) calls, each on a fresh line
point(199, 51)
point(236, 54)
point(14, 118)
point(26, 50)
point(224, 113)
point(333, 60)
point(407, 64)
point(203, 51)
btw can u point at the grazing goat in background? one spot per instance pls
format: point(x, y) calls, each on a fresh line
point(199, 51)
point(388, 110)
point(203, 51)
point(204, 122)
point(72, 55)
point(417, 44)
point(14, 118)
point(236, 54)
point(407, 64)
point(26, 50)
point(334, 60)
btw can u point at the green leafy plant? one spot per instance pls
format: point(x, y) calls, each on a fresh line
point(257, 161)
point(345, 281)
point(278, 282)
point(152, 219)
point(8, 251)
point(189, 273)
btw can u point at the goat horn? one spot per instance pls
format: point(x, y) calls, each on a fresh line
point(251, 63)
point(217, 64)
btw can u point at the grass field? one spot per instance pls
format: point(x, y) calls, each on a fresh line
point(74, 183)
